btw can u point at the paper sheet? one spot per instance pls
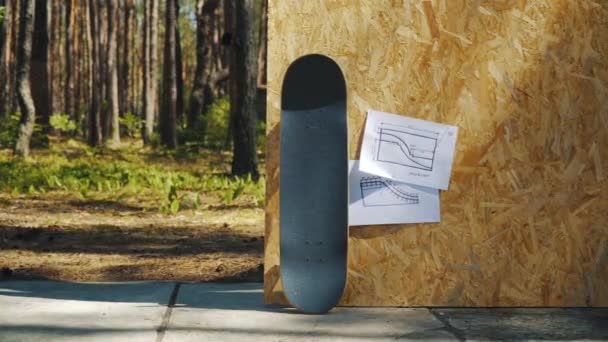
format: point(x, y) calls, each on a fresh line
point(378, 200)
point(409, 150)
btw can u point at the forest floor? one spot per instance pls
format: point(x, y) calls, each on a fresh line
point(73, 213)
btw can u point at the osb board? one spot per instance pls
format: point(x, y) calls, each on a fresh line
point(524, 222)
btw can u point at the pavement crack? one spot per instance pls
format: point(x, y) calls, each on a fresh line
point(459, 334)
point(164, 325)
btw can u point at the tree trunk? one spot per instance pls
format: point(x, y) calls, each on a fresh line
point(223, 47)
point(168, 124)
point(55, 58)
point(68, 94)
point(77, 48)
point(5, 43)
point(179, 66)
point(262, 45)
point(12, 74)
point(200, 97)
point(150, 69)
point(24, 95)
point(228, 55)
point(243, 74)
point(39, 75)
point(198, 87)
point(154, 70)
point(94, 122)
point(134, 32)
point(146, 130)
point(86, 78)
point(104, 73)
point(124, 72)
point(112, 76)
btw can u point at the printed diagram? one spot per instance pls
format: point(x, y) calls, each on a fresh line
point(378, 200)
point(382, 192)
point(406, 146)
point(408, 150)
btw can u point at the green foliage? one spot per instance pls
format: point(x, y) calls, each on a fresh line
point(92, 175)
point(172, 203)
point(155, 140)
point(218, 122)
point(238, 186)
point(261, 136)
point(131, 124)
point(63, 124)
point(2, 14)
point(217, 119)
point(191, 139)
point(218, 125)
point(8, 130)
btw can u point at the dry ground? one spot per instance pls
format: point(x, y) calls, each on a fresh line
point(67, 239)
point(61, 236)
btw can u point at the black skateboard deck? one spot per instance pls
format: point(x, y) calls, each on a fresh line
point(314, 184)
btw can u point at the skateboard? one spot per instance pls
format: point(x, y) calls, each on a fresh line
point(314, 184)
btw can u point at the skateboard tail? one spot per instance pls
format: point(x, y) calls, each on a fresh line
point(314, 184)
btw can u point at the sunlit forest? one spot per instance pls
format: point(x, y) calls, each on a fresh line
point(132, 139)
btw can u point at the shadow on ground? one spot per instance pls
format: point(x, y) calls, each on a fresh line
point(211, 308)
point(555, 324)
point(145, 241)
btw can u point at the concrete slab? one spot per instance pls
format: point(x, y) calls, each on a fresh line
point(55, 311)
point(544, 324)
point(235, 312)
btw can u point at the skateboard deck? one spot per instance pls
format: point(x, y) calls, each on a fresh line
point(314, 184)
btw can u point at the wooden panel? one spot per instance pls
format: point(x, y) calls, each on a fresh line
point(524, 222)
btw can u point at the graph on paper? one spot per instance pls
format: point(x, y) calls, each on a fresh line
point(406, 146)
point(409, 150)
point(378, 200)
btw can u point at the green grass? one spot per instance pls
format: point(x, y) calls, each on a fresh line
point(72, 167)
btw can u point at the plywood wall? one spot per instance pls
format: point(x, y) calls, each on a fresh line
point(525, 221)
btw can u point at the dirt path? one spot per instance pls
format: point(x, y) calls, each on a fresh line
point(64, 238)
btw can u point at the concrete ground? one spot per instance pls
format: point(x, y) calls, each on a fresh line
point(54, 311)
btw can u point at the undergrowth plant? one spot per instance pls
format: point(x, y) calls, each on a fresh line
point(8, 130)
point(92, 174)
point(63, 124)
point(131, 124)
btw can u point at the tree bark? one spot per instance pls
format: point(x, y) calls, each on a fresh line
point(124, 70)
point(154, 69)
point(85, 65)
point(228, 56)
point(104, 71)
point(55, 58)
point(201, 95)
point(3, 25)
point(179, 66)
point(5, 43)
point(150, 70)
point(168, 124)
point(12, 73)
point(243, 75)
point(39, 75)
point(146, 130)
point(24, 95)
point(68, 94)
point(94, 122)
point(77, 48)
point(134, 32)
point(262, 45)
point(112, 76)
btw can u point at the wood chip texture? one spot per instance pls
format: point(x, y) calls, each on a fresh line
point(525, 220)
